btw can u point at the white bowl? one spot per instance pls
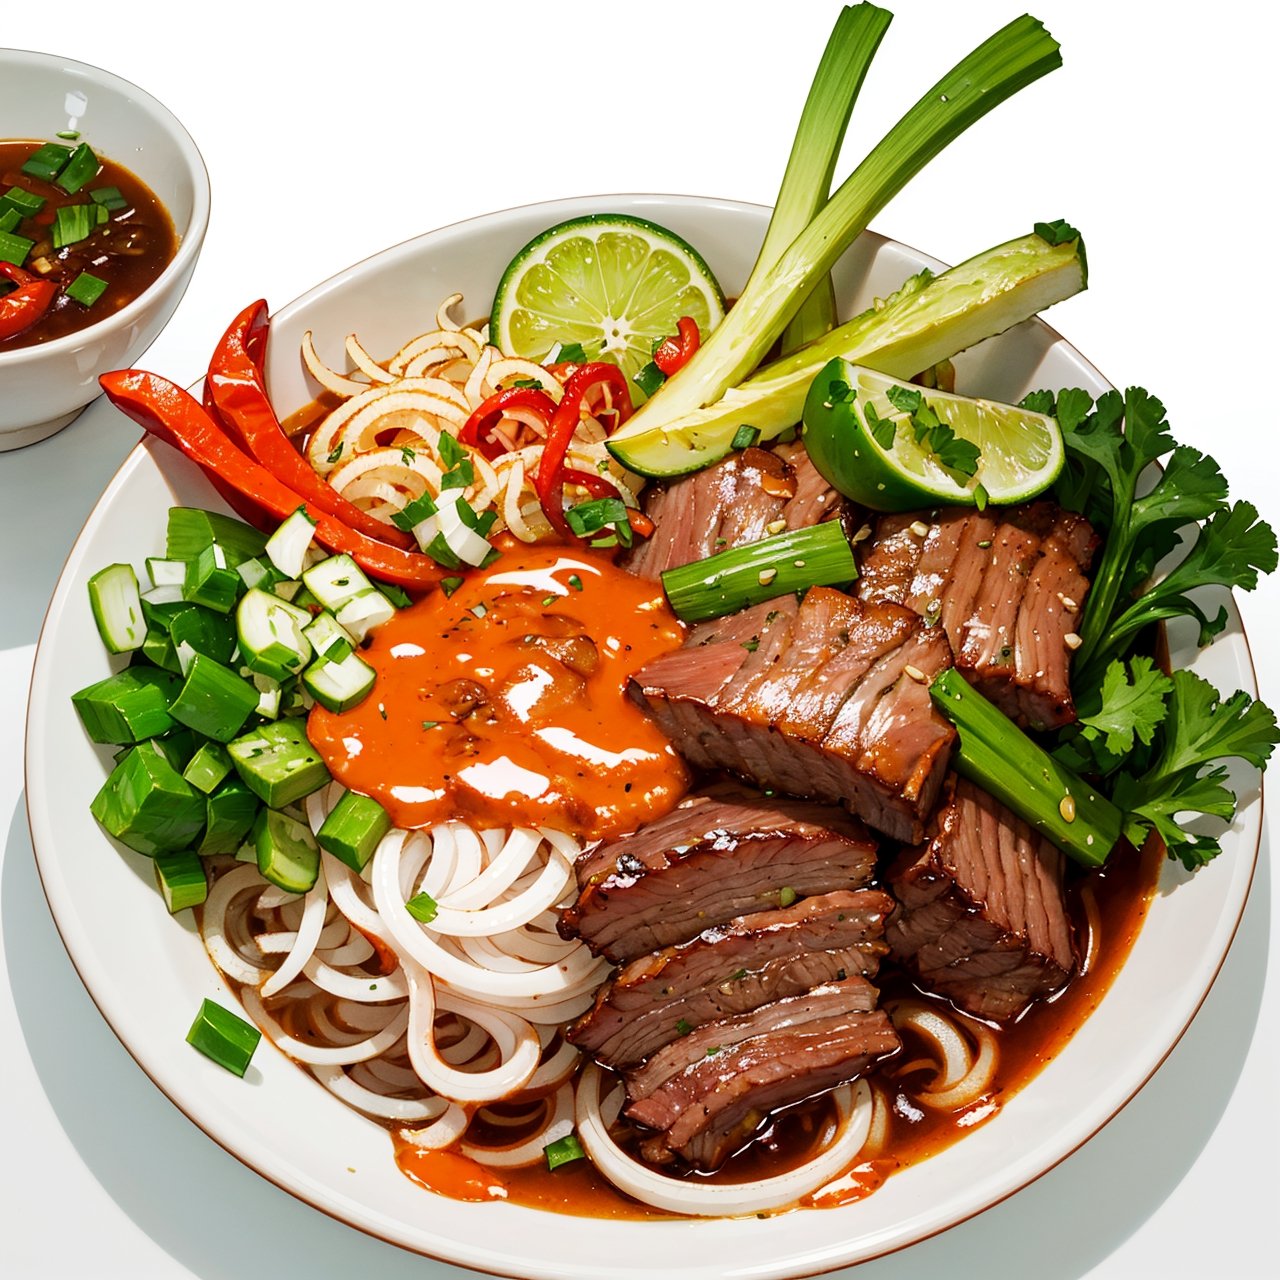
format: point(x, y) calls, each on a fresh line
point(46, 386)
point(147, 972)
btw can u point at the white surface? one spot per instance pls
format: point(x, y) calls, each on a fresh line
point(1146, 139)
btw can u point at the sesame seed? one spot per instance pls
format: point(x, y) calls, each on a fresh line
point(920, 529)
point(767, 576)
point(1068, 603)
point(862, 535)
point(1067, 807)
point(1071, 640)
point(915, 673)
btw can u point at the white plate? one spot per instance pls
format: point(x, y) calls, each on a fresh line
point(147, 972)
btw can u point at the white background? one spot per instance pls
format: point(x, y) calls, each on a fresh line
point(333, 131)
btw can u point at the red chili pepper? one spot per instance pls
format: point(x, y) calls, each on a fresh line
point(170, 413)
point(22, 307)
point(552, 473)
point(476, 430)
point(237, 390)
point(675, 352)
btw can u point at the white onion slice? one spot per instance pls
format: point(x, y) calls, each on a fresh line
point(853, 1105)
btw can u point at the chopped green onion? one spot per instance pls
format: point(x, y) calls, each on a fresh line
point(82, 167)
point(451, 452)
point(27, 203)
point(110, 198)
point(683, 1027)
point(228, 1040)
point(422, 907)
point(86, 289)
point(649, 378)
point(460, 476)
point(575, 582)
point(414, 512)
point(397, 595)
point(73, 223)
point(47, 162)
point(9, 218)
point(591, 517)
point(745, 437)
point(450, 585)
point(67, 135)
point(786, 896)
point(571, 353)
point(563, 1151)
point(793, 561)
point(14, 248)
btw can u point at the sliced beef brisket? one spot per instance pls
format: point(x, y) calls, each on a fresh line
point(731, 969)
point(709, 1091)
point(982, 919)
point(1006, 586)
point(827, 699)
point(723, 852)
point(743, 498)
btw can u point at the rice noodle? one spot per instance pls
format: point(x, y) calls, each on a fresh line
point(380, 448)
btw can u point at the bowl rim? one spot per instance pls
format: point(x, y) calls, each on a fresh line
point(190, 237)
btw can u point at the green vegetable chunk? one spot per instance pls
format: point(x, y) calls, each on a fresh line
point(288, 855)
point(229, 815)
point(191, 531)
point(222, 1036)
point(117, 608)
point(212, 580)
point(353, 829)
point(214, 700)
point(146, 804)
point(207, 767)
point(181, 879)
point(563, 1151)
point(127, 707)
point(278, 763)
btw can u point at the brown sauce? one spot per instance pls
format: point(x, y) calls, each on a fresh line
point(505, 702)
point(128, 251)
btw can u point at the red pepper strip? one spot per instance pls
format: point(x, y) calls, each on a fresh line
point(675, 352)
point(23, 306)
point(552, 474)
point(475, 431)
point(239, 394)
point(167, 411)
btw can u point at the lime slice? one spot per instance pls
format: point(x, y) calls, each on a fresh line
point(893, 446)
point(611, 283)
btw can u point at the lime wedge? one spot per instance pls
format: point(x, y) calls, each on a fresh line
point(611, 283)
point(893, 446)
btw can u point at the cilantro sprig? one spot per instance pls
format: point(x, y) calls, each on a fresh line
point(1146, 515)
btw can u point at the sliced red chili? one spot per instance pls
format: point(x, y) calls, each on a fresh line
point(237, 390)
point(170, 413)
point(22, 307)
point(477, 430)
point(675, 352)
point(552, 473)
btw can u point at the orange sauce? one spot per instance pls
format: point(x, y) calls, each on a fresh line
point(505, 703)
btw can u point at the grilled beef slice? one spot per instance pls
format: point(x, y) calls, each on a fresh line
point(828, 699)
point(740, 499)
point(722, 852)
point(708, 1091)
point(733, 968)
point(981, 917)
point(1005, 586)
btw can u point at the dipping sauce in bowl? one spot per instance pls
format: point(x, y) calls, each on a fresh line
point(73, 220)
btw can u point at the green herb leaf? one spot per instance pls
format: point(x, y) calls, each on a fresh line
point(1056, 232)
point(422, 907)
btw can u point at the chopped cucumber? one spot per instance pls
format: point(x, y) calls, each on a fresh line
point(127, 707)
point(339, 686)
point(214, 700)
point(166, 573)
point(146, 804)
point(223, 1037)
point(288, 855)
point(336, 580)
point(329, 638)
point(117, 608)
point(205, 630)
point(278, 763)
point(211, 581)
point(271, 632)
point(208, 767)
point(363, 612)
point(181, 879)
point(229, 815)
point(353, 829)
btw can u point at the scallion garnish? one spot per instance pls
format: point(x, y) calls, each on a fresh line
point(745, 437)
point(222, 1036)
point(571, 353)
point(422, 907)
point(26, 203)
point(450, 585)
point(9, 219)
point(81, 168)
point(451, 452)
point(14, 248)
point(110, 198)
point(786, 896)
point(47, 162)
point(649, 378)
point(563, 1151)
point(86, 289)
point(67, 135)
point(414, 513)
point(575, 582)
point(598, 515)
point(741, 576)
point(73, 223)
